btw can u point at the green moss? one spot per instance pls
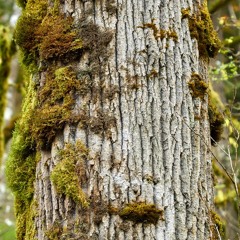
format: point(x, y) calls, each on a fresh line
point(216, 121)
point(55, 105)
point(141, 213)
point(21, 166)
point(70, 172)
point(5, 58)
point(55, 232)
point(197, 86)
point(217, 226)
point(25, 31)
point(40, 32)
point(201, 28)
point(25, 227)
point(21, 3)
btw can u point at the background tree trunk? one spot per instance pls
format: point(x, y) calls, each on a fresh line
point(132, 159)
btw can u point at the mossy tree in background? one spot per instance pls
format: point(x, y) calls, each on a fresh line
point(114, 137)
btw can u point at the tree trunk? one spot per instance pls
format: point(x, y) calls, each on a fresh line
point(118, 110)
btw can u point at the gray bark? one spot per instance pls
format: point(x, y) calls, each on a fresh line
point(156, 151)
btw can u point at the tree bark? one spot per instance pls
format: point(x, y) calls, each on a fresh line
point(140, 147)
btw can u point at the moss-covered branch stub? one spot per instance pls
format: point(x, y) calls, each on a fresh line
point(70, 174)
point(201, 28)
point(141, 212)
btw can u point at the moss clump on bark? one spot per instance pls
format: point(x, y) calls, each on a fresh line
point(55, 232)
point(201, 28)
point(198, 86)
point(70, 172)
point(54, 110)
point(217, 225)
point(56, 37)
point(25, 31)
point(141, 213)
point(216, 121)
point(43, 33)
point(186, 13)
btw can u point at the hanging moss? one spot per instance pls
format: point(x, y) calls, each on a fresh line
point(141, 213)
point(201, 28)
point(69, 173)
point(197, 86)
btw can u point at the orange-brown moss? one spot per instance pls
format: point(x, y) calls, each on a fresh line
point(197, 86)
point(185, 13)
point(25, 30)
point(160, 33)
point(56, 37)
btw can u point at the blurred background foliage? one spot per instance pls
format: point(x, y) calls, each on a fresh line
point(224, 75)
